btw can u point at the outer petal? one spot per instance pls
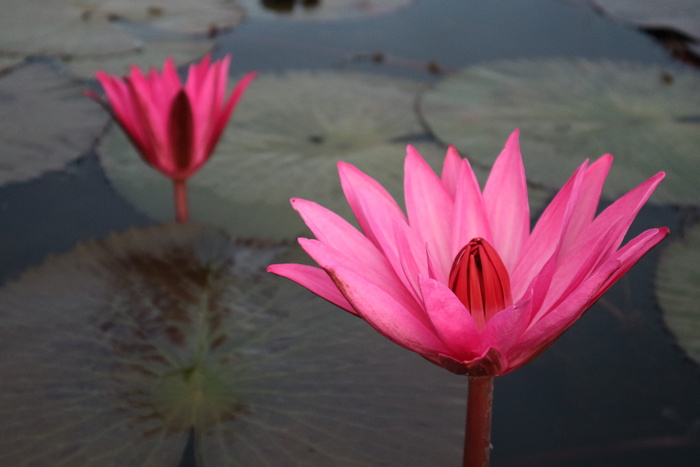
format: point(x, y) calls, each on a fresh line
point(430, 209)
point(452, 321)
point(624, 209)
point(450, 170)
point(588, 199)
point(541, 334)
point(505, 329)
point(505, 198)
point(358, 186)
point(328, 257)
point(314, 279)
point(470, 217)
point(633, 252)
point(386, 315)
point(548, 235)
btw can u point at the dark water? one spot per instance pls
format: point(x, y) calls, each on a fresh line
point(614, 390)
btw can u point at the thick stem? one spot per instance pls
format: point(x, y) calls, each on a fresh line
point(477, 434)
point(181, 211)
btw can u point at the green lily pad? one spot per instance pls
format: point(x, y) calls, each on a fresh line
point(570, 110)
point(284, 141)
point(321, 10)
point(46, 123)
point(155, 47)
point(112, 354)
point(72, 28)
point(678, 292)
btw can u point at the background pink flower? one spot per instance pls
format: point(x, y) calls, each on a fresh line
point(493, 306)
point(174, 126)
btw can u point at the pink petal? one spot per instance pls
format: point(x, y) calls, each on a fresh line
point(470, 217)
point(633, 252)
point(430, 209)
point(588, 199)
point(548, 235)
point(624, 209)
point(337, 233)
point(314, 279)
point(450, 170)
point(328, 257)
point(386, 315)
point(356, 186)
point(505, 329)
point(543, 333)
point(451, 320)
point(223, 117)
point(505, 198)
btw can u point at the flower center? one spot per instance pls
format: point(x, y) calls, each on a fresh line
point(480, 280)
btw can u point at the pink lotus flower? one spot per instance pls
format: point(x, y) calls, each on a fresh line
point(175, 127)
point(461, 279)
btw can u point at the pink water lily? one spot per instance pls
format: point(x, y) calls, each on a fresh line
point(174, 126)
point(461, 279)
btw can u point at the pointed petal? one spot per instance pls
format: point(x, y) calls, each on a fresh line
point(222, 117)
point(548, 235)
point(337, 233)
point(450, 170)
point(386, 315)
point(633, 252)
point(451, 320)
point(356, 186)
point(588, 199)
point(430, 209)
point(505, 198)
point(470, 217)
point(314, 279)
point(329, 258)
point(504, 330)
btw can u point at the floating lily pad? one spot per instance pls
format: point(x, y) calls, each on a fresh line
point(646, 116)
point(46, 123)
point(322, 9)
point(156, 47)
point(72, 28)
point(284, 141)
point(110, 355)
point(678, 292)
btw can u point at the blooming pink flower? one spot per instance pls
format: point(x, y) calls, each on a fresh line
point(175, 127)
point(461, 279)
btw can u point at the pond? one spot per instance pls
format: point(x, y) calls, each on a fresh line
point(129, 339)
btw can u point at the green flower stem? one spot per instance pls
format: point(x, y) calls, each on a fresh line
point(477, 435)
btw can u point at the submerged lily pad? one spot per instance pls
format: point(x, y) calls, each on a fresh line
point(322, 9)
point(284, 141)
point(112, 354)
point(46, 123)
point(646, 116)
point(72, 28)
point(678, 292)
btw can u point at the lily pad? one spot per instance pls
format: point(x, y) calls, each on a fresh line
point(678, 292)
point(46, 123)
point(112, 354)
point(322, 10)
point(570, 110)
point(155, 48)
point(284, 141)
point(72, 28)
